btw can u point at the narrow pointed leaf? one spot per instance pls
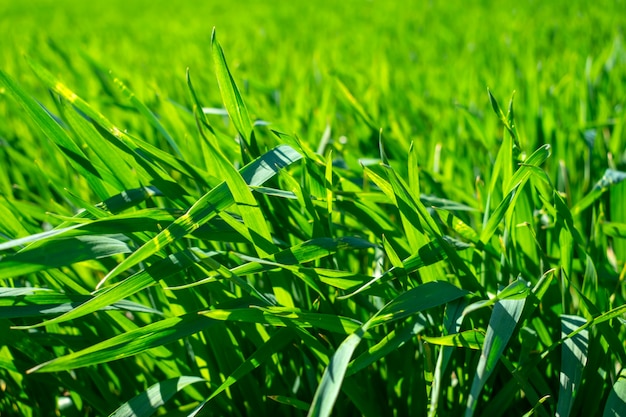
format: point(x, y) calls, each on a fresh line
point(146, 403)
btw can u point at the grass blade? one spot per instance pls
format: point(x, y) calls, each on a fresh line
point(230, 93)
point(616, 404)
point(209, 205)
point(573, 361)
point(504, 318)
point(146, 403)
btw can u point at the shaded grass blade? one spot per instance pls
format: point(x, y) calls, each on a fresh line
point(429, 295)
point(61, 252)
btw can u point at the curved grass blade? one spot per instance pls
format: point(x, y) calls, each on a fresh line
point(422, 297)
point(517, 181)
point(471, 339)
point(616, 403)
point(209, 205)
point(573, 361)
point(130, 343)
point(429, 295)
point(610, 178)
point(129, 144)
point(274, 345)
point(58, 136)
point(117, 163)
point(328, 389)
point(504, 318)
point(37, 305)
point(61, 252)
point(131, 285)
point(146, 403)
point(452, 320)
point(139, 221)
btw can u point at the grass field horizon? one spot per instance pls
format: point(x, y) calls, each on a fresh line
point(366, 208)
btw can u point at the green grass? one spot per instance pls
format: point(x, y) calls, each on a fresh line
point(313, 209)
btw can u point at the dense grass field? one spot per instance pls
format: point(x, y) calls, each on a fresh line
point(367, 208)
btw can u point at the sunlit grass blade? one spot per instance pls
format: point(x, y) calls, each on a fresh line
point(573, 361)
point(62, 252)
point(146, 403)
point(56, 134)
point(147, 114)
point(52, 303)
point(230, 93)
point(616, 403)
point(329, 386)
point(502, 324)
point(281, 317)
point(515, 182)
point(127, 143)
point(130, 343)
point(141, 280)
point(610, 178)
point(209, 205)
point(354, 103)
point(471, 339)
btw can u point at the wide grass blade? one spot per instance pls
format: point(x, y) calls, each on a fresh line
point(573, 361)
point(616, 403)
point(147, 403)
point(504, 319)
point(130, 343)
point(62, 252)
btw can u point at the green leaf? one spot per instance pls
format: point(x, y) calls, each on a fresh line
point(610, 178)
point(130, 343)
point(281, 317)
point(61, 252)
point(472, 339)
point(328, 389)
point(616, 403)
point(209, 205)
point(146, 403)
point(56, 134)
point(573, 361)
point(422, 297)
point(504, 319)
point(147, 114)
point(233, 101)
point(429, 295)
point(141, 280)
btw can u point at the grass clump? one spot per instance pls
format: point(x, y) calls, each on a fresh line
point(357, 237)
